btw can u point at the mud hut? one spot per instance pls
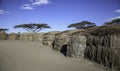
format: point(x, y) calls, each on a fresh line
point(38, 37)
point(26, 37)
point(103, 46)
point(48, 38)
point(14, 36)
point(77, 44)
point(3, 36)
point(62, 39)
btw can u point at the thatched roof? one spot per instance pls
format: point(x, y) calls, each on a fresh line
point(104, 30)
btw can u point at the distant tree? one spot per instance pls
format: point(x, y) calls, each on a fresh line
point(32, 27)
point(3, 30)
point(82, 25)
point(107, 23)
point(115, 21)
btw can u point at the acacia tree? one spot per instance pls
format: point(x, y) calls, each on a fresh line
point(3, 29)
point(82, 25)
point(32, 27)
point(115, 21)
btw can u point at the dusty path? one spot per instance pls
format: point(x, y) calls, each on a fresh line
point(32, 56)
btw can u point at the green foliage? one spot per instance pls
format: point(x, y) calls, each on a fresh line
point(113, 22)
point(111, 27)
point(32, 27)
point(82, 25)
point(3, 30)
point(116, 21)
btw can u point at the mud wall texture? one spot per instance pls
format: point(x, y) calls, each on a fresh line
point(3, 36)
point(76, 46)
point(62, 39)
point(31, 37)
point(13, 36)
point(48, 38)
point(104, 49)
point(26, 37)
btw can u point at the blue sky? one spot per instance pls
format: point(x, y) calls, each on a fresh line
point(56, 13)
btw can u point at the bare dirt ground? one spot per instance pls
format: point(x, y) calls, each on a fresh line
point(32, 56)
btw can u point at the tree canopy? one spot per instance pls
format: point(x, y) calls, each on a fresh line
point(82, 25)
point(3, 29)
point(115, 21)
point(32, 27)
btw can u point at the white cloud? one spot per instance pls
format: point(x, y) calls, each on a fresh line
point(27, 7)
point(34, 3)
point(40, 2)
point(2, 12)
point(113, 18)
point(117, 10)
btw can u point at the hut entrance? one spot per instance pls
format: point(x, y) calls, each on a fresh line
point(64, 50)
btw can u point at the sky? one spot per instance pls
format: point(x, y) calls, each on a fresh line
point(56, 13)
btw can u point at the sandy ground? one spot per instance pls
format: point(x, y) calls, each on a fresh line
point(32, 56)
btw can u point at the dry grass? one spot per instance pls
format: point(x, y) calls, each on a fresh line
point(104, 30)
